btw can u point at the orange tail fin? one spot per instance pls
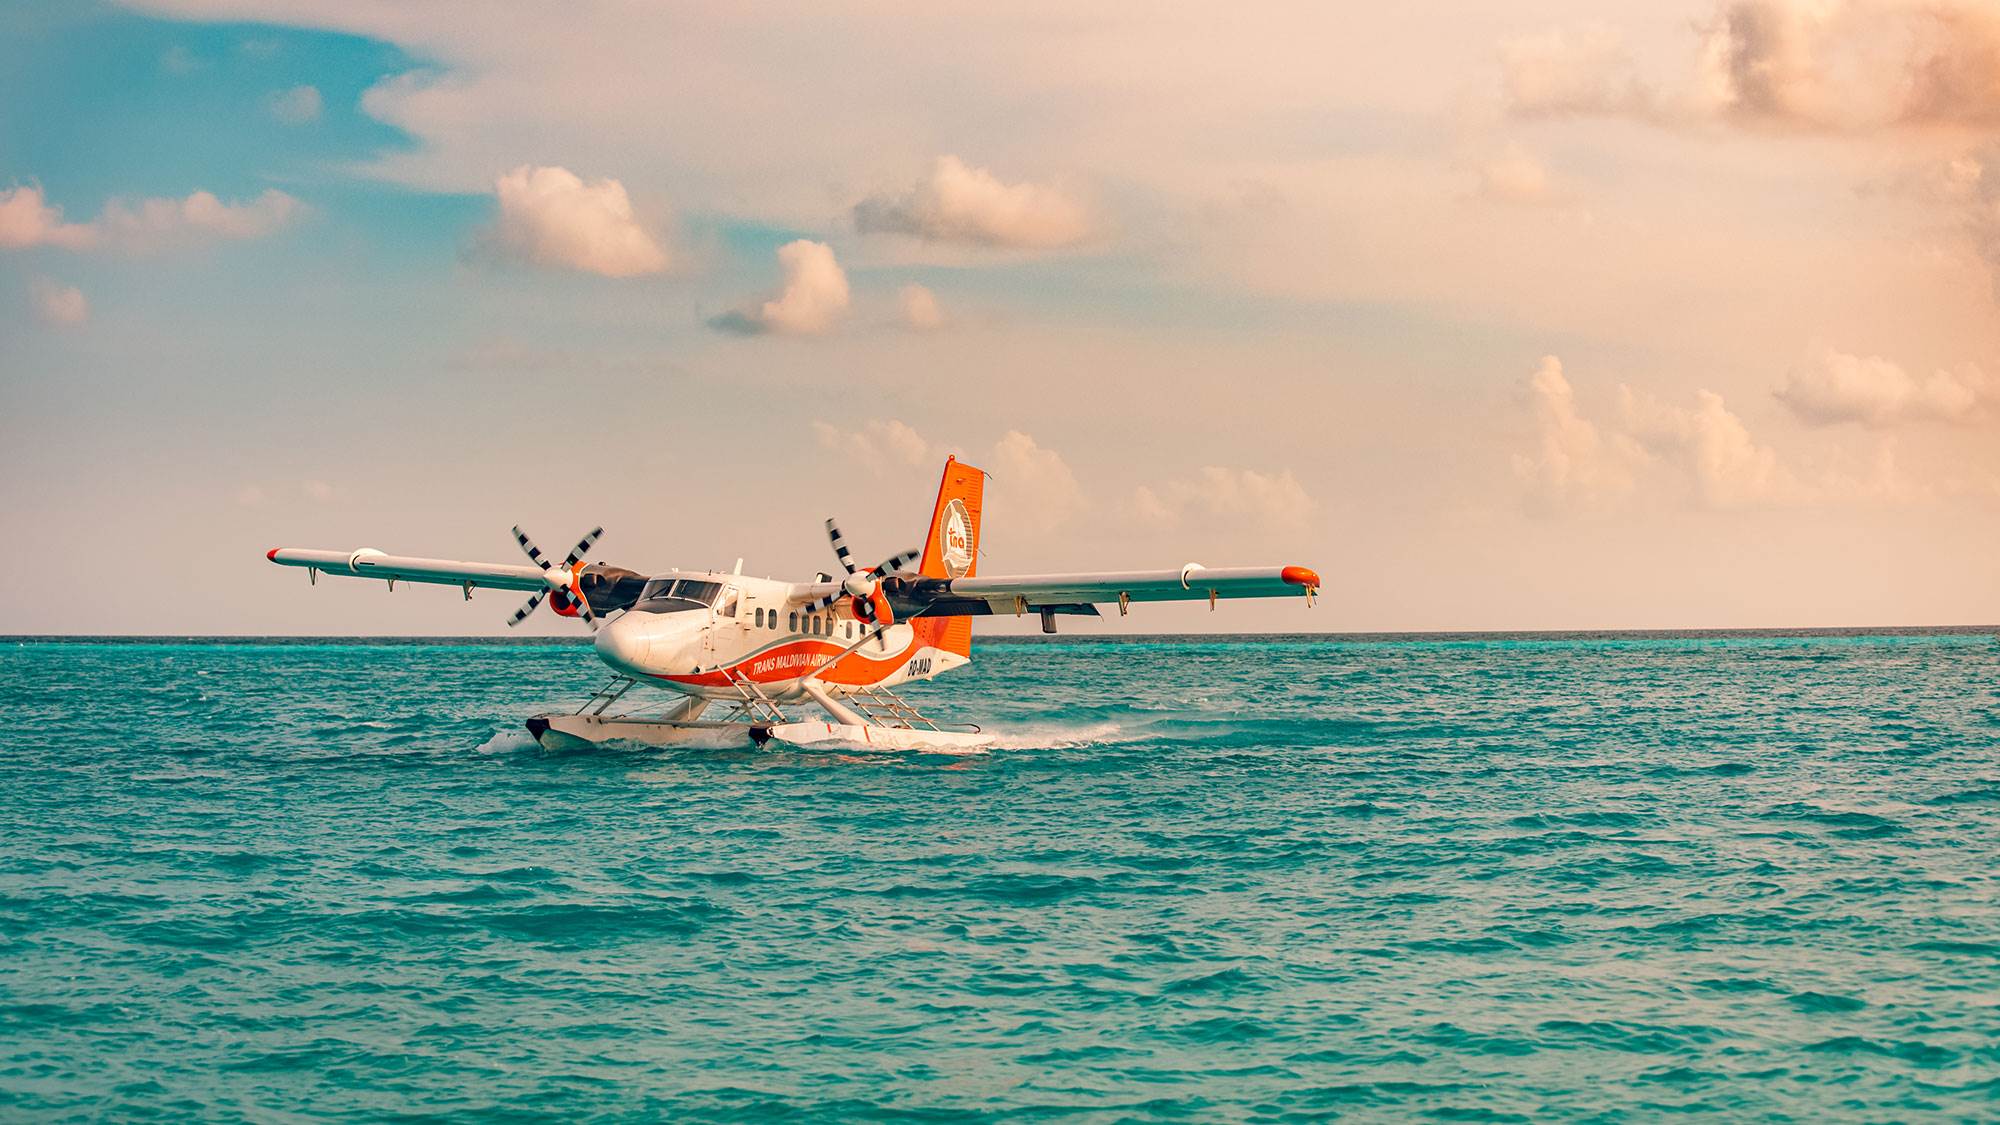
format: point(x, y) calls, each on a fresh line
point(952, 549)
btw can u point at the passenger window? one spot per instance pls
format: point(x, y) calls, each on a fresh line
point(792, 622)
point(850, 630)
point(760, 618)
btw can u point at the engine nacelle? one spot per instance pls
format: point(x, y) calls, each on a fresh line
point(874, 610)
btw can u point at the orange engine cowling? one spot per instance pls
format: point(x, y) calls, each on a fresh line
point(874, 609)
point(563, 602)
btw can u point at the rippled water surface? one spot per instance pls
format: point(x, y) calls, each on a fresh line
point(1535, 880)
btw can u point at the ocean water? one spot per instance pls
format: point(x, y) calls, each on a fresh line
point(1581, 879)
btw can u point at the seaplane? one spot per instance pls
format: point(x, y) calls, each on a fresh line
point(748, 661)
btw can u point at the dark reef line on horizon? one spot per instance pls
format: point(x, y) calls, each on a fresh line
point(1088, 639)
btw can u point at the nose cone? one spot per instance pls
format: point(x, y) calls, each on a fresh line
point(627, 644)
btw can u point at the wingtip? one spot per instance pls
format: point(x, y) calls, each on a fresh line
point(1300, 576)
point(272, 554)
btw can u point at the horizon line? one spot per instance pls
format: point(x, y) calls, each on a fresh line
point(1039, 638)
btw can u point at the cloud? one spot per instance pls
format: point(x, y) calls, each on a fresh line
point(1714, 448)
point(28, 219)
point(881, 445)
point(1036, 486)
point(178, 60)
point(1585, 465)
point(1041, 493)
point(919, 307)
point(55, 304)
point(157, 223)
point(1968, 186)
point(1576, 464)
point(811, 300)
point(1515, 176)
point(1958, 77)
point(1228, 497)
point(959, 203)
point(1810, 65)
point(1853, 64)
point(299, 105)
point(551, 217)
point(1834, 388)
point(1568, 73)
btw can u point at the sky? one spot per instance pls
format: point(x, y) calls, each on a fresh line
point(1545, 315)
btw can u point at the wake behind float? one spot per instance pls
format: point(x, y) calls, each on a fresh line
point(753, 651)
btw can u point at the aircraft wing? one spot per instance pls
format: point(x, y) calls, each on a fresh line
point(1029, 592)
point(370, 563)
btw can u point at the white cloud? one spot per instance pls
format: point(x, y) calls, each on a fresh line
point(56, 304)
point(1871, 391)
point(1515, 176)
point(28, 219)
point(1228, 497)
point(1967, 185)
point(1797, 64)
point(1582, 464)
point(1035, 486)
point(299, 105)
point(178, 60)
point(553, 218)
point(811, 300)
point(919, 308)
point(1711, 444)
point(1846, 64)
point(1576, 464)
point(1563, 72)
point(881, 445)
point(1152, 510)
point(1039, 490)
point(959, 203)
point(157, 223)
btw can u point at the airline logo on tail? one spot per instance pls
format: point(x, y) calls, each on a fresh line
point(955, 536)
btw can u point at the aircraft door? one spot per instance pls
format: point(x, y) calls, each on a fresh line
point(723, 616)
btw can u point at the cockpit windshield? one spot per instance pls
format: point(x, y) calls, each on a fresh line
point(671, 595)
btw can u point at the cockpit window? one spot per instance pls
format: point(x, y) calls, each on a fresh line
point(669, 595)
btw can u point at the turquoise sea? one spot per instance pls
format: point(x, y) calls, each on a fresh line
point(1590, 878)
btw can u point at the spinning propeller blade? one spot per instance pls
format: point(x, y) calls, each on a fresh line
point(582, 547)
point(840, 546)
point(527, 607)
point(859, 583)
point(558, 578)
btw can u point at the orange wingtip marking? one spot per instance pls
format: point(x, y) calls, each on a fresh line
point(1300, 576)
point(272, 554)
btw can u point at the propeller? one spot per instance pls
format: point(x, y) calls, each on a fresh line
point(864, 586)
point(559, 578)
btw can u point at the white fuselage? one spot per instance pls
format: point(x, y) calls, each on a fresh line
point(760, 631)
